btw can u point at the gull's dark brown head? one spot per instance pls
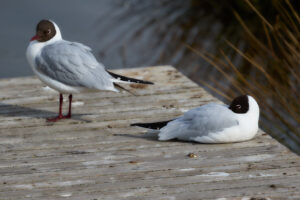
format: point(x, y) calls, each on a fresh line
point(240, 104)
point(45, 30)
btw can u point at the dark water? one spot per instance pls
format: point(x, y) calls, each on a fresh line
point(121, 33)
point(18, 20)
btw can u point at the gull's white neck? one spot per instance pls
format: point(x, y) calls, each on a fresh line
point(35, 47)
point(249, 121)
point(253, 108)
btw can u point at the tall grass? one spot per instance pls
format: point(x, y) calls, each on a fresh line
point(272, 72)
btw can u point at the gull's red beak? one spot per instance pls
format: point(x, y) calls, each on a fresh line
point(34, 38)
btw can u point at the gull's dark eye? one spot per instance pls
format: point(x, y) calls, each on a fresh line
point(47, 32)
point(238, 106)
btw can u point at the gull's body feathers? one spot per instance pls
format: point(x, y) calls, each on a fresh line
point(70, 67)
point(74, 65)
point(199, 123)
point(213, 123)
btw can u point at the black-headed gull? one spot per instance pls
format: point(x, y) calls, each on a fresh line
point(212, 123)
point(68, 67)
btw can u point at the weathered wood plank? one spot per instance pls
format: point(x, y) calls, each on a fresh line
point(97, 155)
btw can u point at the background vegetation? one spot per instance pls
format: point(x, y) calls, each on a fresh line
point(230, 47)
point(270, 68)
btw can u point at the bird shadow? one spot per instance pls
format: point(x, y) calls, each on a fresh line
point(152, 135)
point(8, 110)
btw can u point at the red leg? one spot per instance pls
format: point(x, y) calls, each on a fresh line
point(60, 116)
point(70, 107)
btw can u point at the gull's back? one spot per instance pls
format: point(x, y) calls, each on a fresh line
point(199, 122)
point(73, 64)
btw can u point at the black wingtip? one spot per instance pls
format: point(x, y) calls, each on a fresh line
point(122, 88)
point(135, 124)
point(128, 79)
point(154, 125)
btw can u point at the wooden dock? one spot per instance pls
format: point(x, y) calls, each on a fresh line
point(97, 155)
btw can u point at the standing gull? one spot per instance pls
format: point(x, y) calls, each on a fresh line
point(212, 123)
point(68, 67)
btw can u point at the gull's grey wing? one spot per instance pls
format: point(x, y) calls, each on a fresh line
point(73, 64)
point(201, 121)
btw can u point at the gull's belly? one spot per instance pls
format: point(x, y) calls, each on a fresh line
point(228, 135)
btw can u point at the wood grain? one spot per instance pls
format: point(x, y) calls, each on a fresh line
point(97, 155)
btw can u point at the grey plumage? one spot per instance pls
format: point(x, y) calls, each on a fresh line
point(198, 122)
point(73, 64)
point(69, 67)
